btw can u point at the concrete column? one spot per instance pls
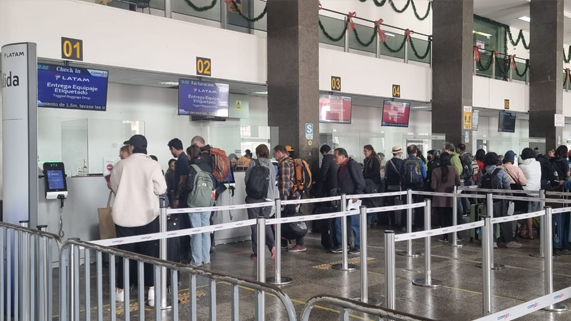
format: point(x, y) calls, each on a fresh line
point(293, 74)
point(546, 77)
point(452, 64)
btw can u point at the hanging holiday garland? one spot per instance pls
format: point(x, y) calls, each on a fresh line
point(425, 15)
point(520, 37)
point(567, 56)
point(501, 71)
point(421, 57)
point(368, 43)
point(524, 71)
point(395, 50)
point(258, 18)
point(328, 36)
point(201, 9)
point(380, 3)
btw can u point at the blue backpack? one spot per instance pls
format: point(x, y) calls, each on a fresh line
point(412, 173)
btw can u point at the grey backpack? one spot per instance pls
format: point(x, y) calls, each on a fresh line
point(203, 193)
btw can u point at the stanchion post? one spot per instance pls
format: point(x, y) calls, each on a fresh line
point(455, 218)
point(490, 213)
point(493, 66)
point(224, 14)
point(409, 218)
point(344, 266)
point(427, 280)
point(346, 42)
point(541, 224)
point(364, 277)
point(261, 233)
point(390, 275)
point(163, 252)
point(548, 260)
point(487, 229)
point(278, 278)
point(43, 248)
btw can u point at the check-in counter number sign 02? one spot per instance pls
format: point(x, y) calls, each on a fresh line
point(203, 66)
point(71, 49)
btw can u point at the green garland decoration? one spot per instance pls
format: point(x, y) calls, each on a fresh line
point(524, 71)
point(520, 37)
point(427, 11)
point(328, 36)
point(395, 50)
point(200, 9)
point(502, 72)
point(366, 44)
point(380, 3)
point(403, 8)
point(497, 24)
point(567, 57)
point(258, 18)
point(421, 57)
point(481, 66)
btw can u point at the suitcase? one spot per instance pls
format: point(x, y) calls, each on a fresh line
point(558, 230)
point(477, 212)
point(400, 216)
point(327, 228)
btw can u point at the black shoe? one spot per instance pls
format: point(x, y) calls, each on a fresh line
point(284, 244)
point(337, 250)
point(355, 251)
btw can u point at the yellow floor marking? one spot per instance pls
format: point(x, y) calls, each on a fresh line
point(355, 261)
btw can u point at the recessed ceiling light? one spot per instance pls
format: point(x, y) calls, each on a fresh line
point(169, 83)
point(260, 93)
point(487, 35)
point(525, 18)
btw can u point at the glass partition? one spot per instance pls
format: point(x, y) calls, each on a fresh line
point(353, 142)
point(253, 10)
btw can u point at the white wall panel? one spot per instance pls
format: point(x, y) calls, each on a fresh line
point(490, 93)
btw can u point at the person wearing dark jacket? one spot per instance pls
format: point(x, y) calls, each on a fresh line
point(200, 243)
point(443, 180)
point(350, 181)
point(204, 151)
point(328, 173)
point(433, 163)
point(372, 175)
point(560, 162)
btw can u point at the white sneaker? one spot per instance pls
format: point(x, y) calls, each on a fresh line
point(151, 297)
point(495, 245)
point(119, 295)
point(513, 245)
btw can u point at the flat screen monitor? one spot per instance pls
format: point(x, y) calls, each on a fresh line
point(334, 109)
point(395, 114)
point(506, 122)
point(202, 98)
point(72, 87)
point(475, 120)
point(56, 179)
point(230, 178)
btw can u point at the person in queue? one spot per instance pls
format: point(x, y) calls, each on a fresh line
point(372, 172)
point(413, 174)
point(559, 160)
point(443, 180)
point(518, 181)
point(480, 160)
point(500, 181)
point(200, 243)
point(137, 182)
point(243, 163)
point(457, 163)
point(350, 181)
point(180, 192)
point(123, 153)
point(290, 151)
point(204, 150)
point(433, 157)
point(286, 180)
point(392, 170)
point(262, 160)
point(170, 179)
point(328, 173)
point(532, 171)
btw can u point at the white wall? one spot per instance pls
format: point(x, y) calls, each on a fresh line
point(491, 93)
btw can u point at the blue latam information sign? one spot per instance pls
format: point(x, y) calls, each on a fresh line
point(72, 87)
point(203, 98)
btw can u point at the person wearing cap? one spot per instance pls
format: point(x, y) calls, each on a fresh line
point(290, 151)
point(137, 182)
point(392, 175)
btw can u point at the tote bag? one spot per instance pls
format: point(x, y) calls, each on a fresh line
point(106, 224)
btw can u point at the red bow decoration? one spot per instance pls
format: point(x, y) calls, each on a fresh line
point(407, 32)
point(477, 55)
point(320, 5)
point(567, 74)
point(382, 35)
point(512, 58)
point(350, 20)
point(228, 1)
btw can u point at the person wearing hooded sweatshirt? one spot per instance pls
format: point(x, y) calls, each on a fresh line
point(456, 163)
point(532, 171)
point(137, 182)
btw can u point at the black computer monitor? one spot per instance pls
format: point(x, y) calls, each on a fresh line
point(230, 178)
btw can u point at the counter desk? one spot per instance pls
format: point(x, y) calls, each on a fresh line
point(87, 194)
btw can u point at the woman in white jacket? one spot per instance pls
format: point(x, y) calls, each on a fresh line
point(532, 171)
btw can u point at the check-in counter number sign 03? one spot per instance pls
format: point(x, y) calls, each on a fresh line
point(203, 66)
point(335, 83)
point(71, 49)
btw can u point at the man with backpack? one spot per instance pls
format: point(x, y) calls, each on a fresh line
point(497, 178)
point(287, 189)
point(181, 168)
point(260, 183)
point(413, 173)
point(466, 176)
point(393, 184)
point(350, 181)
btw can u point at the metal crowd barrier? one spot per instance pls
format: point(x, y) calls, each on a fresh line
point(26, 271)
point(346, 305)
point(70, 306)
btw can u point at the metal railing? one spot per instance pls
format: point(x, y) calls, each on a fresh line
point(26, 267)
point(69, 308)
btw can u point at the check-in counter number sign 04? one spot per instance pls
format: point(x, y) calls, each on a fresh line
point(396, 91)
point(203, 66)
point(71, 49)
point(335, 83)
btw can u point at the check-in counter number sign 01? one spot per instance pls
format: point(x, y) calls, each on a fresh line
point(203, 66)
point(71, 49)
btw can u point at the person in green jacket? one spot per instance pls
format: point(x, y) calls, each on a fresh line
point(456, 163)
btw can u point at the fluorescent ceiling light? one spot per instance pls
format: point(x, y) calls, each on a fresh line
point(260, 93)
point(169, 83)
point(525, 18)
point(487, 35)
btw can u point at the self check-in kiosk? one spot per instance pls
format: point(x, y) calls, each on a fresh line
point(56, 185)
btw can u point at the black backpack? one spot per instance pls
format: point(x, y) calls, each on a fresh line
point(550, 173)
point(412, 175)
point(491, 180)
point(467, 170)
point(258, 181)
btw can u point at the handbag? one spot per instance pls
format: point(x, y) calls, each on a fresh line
point(106, 224)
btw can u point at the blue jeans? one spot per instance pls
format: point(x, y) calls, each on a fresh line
point(355, 225)
point(200, 243)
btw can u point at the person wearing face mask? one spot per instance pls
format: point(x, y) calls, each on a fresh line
point(433, 158)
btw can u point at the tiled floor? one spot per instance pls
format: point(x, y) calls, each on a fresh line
point(459, 299)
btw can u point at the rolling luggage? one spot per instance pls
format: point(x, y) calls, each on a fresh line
point(558, 230)
point(477, 212)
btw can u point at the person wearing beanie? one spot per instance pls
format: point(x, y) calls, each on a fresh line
point(137, 182)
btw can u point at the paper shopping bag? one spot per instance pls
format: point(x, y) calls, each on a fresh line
point(106, 225)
